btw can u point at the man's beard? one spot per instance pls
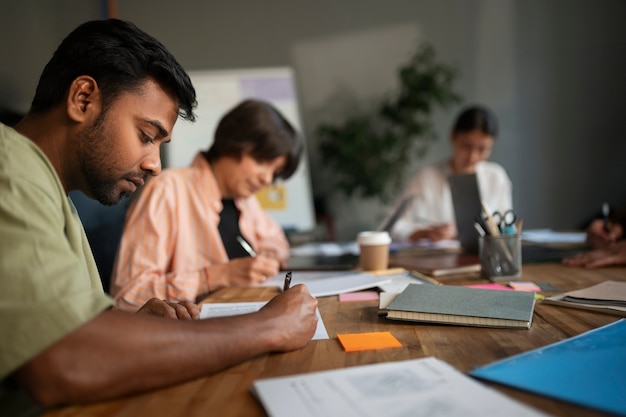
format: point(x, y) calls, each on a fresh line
point(96, 164)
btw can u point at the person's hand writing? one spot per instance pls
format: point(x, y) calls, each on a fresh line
point(611, 255)
point(598, 237)
point(184, 310)
point(245, 271)
point(435, 233)
point(274, 254)
point(292, 316)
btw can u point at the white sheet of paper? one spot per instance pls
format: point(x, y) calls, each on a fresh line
point(322, 284)
point(398, 282)
point(550, 236)
point(209, 310)
point(425, 387)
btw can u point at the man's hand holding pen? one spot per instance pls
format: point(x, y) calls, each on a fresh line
point(296, 311)
point(287, 283)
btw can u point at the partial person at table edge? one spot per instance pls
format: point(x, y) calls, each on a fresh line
point(606, 238)
point(106, 101)
point(430, 213)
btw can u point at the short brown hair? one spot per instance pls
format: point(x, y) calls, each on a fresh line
point(257, 129)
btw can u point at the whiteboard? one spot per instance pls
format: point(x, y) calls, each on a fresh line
point(289, 202)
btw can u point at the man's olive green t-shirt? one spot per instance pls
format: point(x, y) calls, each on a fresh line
point(49, 283)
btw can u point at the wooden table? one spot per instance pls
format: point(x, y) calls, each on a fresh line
point(227, 393)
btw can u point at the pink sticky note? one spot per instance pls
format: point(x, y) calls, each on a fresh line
point(525, 286)
point(489, 286)
point(358, 296)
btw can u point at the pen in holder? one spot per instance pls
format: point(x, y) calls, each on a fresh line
point(500, 257)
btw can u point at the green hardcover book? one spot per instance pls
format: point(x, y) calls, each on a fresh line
point(463, 306)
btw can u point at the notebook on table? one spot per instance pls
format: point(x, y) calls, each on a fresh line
point(319, 262)
point(463, 306)
point(438, 265)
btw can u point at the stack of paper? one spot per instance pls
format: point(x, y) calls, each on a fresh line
point(606, 297)
point(420, 387)
point(322, 284)
point(550, 236)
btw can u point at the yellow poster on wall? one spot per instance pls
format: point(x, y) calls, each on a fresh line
point(273, 197)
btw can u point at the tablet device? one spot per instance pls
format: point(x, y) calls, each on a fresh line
point(467, 207)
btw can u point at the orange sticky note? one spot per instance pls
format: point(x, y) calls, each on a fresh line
point(365, 341)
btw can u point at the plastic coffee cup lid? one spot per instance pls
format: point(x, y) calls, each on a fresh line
point(373, 238)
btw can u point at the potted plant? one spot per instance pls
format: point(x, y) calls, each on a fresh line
point(369, 152)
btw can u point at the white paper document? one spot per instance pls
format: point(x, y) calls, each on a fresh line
point(210, 310)
point(425, 387)
point(550, 236)
point(322, 284)
point(398, 282)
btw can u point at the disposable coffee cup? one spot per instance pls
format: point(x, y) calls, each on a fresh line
point(374, 250)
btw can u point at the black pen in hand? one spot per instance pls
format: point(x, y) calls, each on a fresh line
point(605, 212)
point(287, 281)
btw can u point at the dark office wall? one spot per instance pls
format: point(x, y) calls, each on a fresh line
point(552, 70)
point(571, 61)
point(30, 31)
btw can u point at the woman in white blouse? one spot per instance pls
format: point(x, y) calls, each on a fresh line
point(430, 214)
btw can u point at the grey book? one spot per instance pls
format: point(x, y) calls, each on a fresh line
point(463, 306)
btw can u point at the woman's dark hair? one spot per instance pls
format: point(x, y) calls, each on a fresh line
point(476, 117)
point(257, 129)
point(120, 57)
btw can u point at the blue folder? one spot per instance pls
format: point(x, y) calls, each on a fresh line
point(588, 369)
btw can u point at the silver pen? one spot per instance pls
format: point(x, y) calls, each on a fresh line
point(246, 246)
